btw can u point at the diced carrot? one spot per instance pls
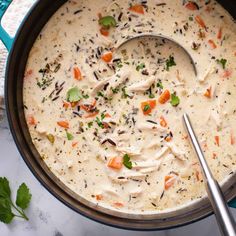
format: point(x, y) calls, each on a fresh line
point(63, 124)
point(93, 114)
point(165, 96)
point(74, 144)
point(163, 122)
point(107, 57)
point(94, 102)
point(138, 8)
point(104, 32)
point(28, 73)
point(118, 204)
point(168, 138)
point(115, 163)
point(232, 138)
point(214, 155)
point(208, 93)
point(212, 44)
point(147, 106)
point(200, 21)
point(77, 73)
point(219, 34)
point(31, 120)
point(99, 197)
point(66, 104)
point(217, 140)
point(169, 181)
point(105, 125)
point(227, 73)
point(191, 6)
point(107, 115)
point(198, 175)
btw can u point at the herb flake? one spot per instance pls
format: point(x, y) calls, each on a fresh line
point(126, 161)
point(170, 62)
point(174, 100)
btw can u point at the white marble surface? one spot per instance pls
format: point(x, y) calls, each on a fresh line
point(47, 215)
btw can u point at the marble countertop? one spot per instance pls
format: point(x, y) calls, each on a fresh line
point(50, 217)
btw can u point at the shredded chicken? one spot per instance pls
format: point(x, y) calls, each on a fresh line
point(148, 126)
point(141, 86)
point(116, 80)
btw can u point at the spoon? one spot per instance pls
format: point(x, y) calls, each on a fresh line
point(162, 38)
point(223, 216)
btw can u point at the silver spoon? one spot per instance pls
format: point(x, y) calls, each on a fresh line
point(223, 216)
point(160, 37)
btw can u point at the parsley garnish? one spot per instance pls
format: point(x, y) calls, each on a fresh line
point(107, 22)
point(115, 90)
point(124, 93)
point(174, 100)
point(100, 94)
point(160, 85)
point(126, 161)
point(151, 95)
point(23, 198)
point(140, 67)
point(99, 121)
point(170, 62)
point(85, 96)
point(73, 95)
point(222, 61)
point(69, 136)
point(146, 107)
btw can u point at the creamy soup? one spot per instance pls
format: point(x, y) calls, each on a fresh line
point(106, 117)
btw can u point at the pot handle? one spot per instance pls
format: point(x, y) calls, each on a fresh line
point(233, 203)
point(4, 36)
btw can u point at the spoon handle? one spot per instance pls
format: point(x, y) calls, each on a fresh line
point(223, 215)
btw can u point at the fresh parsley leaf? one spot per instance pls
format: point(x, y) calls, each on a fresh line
point(126, 161)
point(23, 196)
point(170, 62)
point(190, 18)
point(146, 107)
point(140, 67)
point(73, 95)
point(107, 22)
point(69, 136)
point(174, 100)
point(5, 191)
point(222, 61)
point(160, 85)
point(22, 201)
point(6, 214)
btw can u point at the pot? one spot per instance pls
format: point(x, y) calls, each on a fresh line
point(19, 48)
